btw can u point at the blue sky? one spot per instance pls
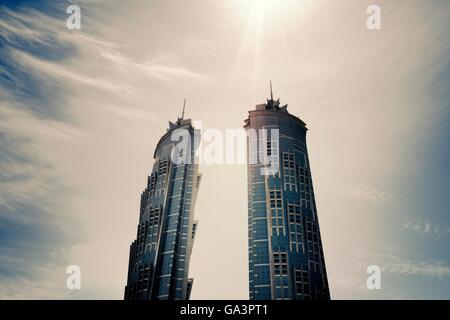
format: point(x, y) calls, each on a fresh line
point(82, 110)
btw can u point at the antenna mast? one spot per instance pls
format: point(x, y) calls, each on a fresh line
point(184, 106)
point(271, 92)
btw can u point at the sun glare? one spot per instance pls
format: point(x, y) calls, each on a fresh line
point(267, 7)
point(263, 20)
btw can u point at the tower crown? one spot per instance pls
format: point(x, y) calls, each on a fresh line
point(274, 104)
point(180, 121)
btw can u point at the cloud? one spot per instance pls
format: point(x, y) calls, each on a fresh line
point(398, 273)
point(35, 233)
point(34, 247)
point(61, 72)
point(150, 68)
point(41, 45)
point(82, 111)
point(26, 176)
point(432, 269)
point(64, 99)
point(424, 227)
point(366, 192)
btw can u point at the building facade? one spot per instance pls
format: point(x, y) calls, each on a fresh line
point(159, 257)
point(286, 258)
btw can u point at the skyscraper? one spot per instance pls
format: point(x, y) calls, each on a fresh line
point(159, 257)
point(286, 258)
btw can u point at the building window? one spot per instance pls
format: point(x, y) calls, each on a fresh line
point(276, 206)
point(295, 228)
point(290, 179)
point(305, 187)
point(280, 264)
point(302, 283)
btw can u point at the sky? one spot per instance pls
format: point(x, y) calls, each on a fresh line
point(81, 112)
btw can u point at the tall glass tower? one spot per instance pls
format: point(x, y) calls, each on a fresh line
point(286, 258)
point(159, 257)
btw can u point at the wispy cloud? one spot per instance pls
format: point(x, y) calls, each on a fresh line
point(81, 111)
point(63, 73)
point(366, 192)
point(35, 38)
point(35, 233)
point(424, 227)
point(150, 68)
point(26, 175)
point(56, 88)
point(433, 269)
point(398, 273)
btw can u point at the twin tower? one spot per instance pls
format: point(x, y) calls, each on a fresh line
point(285, 251)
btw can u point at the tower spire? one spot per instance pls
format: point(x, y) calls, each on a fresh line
point(184, 106)
point(271, 92)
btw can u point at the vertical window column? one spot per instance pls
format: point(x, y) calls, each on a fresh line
point(276, 208)
point(290, 180)
point(281, 275)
